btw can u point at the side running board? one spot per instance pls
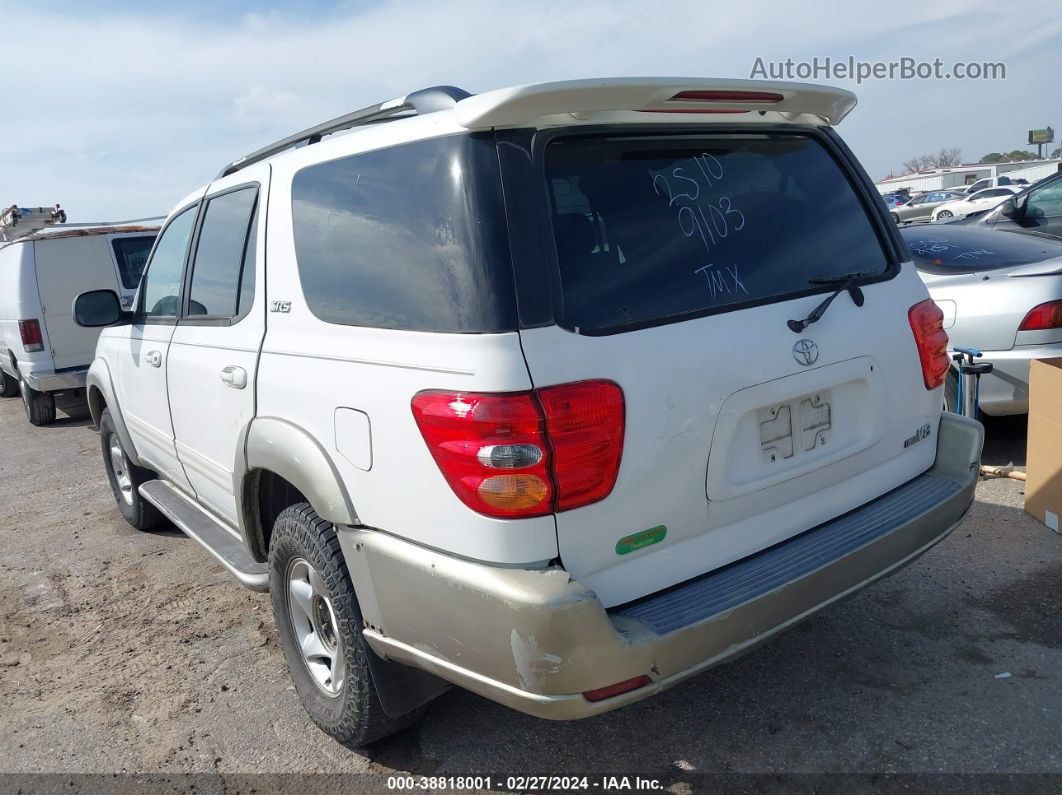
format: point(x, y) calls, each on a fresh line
point(203, 528)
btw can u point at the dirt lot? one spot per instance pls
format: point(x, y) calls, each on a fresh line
point(134, 652)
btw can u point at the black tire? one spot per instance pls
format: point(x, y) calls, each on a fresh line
point(353, 715)
point(945, 214)
point(895, 218)
point(125, 484)
point(40, 406)
point(8, 385)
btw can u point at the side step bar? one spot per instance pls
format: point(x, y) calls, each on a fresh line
point(203, 528)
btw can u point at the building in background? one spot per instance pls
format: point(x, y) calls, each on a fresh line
point(959, 177)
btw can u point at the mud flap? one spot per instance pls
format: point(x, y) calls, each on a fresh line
point(402, 688)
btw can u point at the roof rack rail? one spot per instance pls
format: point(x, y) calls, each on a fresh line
point(427, 100)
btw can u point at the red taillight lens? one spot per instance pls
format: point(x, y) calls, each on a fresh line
point(727, 96)
point(927, 323)
point(585, 425)
point(1043, 317)
point(617, 689)
point(526, 453)
point(30, 331)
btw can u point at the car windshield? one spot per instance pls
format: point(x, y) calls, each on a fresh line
point(651, 230)
point(965, 249)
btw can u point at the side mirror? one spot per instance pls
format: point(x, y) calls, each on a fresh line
point(1014, 208)
point(98, 308)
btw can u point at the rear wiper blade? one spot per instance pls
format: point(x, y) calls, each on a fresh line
point(845, 281)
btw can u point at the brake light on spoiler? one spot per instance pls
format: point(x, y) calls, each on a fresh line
point(522, 454)
point(757, 97)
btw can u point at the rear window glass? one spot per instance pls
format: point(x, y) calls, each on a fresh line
point(656, 229)
point(131, 254)
point(410, 237)
point(967, 249)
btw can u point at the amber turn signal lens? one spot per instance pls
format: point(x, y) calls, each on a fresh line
point(514, 492)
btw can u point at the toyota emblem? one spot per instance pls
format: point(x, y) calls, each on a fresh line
point(806, 352)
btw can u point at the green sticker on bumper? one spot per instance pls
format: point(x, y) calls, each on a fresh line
point(636, 541)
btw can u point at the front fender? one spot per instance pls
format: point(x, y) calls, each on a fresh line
point(99, 387)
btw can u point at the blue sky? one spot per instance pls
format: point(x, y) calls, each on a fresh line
point(117, 109)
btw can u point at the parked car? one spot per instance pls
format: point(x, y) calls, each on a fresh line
point(975, 202)
point(921, 207)
point(1001, 293)
point(1037, 208)
point(993, 182)
point(560, 412)
point(892, 201)
point(44, 355)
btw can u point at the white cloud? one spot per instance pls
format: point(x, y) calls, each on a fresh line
point(120, 114)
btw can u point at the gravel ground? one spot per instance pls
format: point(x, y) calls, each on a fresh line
point(123, 651)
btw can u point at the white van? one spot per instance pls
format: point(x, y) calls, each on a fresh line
point(44, 355)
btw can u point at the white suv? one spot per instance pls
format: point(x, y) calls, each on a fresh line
point(539, 392)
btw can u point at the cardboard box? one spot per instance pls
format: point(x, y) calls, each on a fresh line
point(1043, 484)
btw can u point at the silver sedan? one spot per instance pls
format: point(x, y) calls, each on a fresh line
point(1001, 293)
point(920, 208)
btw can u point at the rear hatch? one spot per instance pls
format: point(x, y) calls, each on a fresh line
point(680, 258)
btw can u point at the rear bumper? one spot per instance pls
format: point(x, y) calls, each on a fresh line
point(1006, 389)
point(535, 640)
point(50, 381)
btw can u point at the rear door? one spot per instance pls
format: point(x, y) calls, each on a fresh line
point(66, 267)
point(681, 260)
point(214, 350)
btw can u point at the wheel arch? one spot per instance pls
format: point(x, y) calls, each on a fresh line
point(99, 389)
point(278, 453)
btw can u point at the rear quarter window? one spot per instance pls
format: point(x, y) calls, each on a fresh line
point(651, 230)
point(410, 237)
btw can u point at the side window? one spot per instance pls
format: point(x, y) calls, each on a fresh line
point(411, 237)
point(131, 254)
point(1045, 202)
point(223, 255)
point(161, 289)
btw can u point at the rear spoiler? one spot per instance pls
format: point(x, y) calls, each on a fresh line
point(682, 95)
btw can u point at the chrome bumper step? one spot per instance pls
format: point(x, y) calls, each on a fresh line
point(199, 525)
point(750, 578)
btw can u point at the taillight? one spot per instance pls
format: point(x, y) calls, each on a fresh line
point(1043, 317)
point(927, 323)
point(32, 340)
point(525, 453)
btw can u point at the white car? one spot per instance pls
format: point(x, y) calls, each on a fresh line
point(561, 393)
point(981, 200)
point(44, 355)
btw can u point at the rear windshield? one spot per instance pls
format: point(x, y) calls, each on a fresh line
point(131, 254)
point(966, 249)
point(650, 230)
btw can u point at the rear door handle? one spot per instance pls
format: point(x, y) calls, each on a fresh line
point(154, 358)
point(234, 376)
